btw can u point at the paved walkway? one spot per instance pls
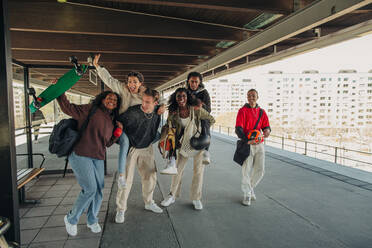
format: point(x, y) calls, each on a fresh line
point(300, 203)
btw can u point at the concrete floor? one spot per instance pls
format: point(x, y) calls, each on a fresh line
point(300, 203)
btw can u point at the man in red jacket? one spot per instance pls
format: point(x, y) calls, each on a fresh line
point(251, 117)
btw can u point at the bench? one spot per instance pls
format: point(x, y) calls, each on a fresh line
point(24, 176)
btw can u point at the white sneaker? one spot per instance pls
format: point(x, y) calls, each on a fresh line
point(121, 182)
point(169, 170)
point(71, 229)
point(119, 218)
point(95, 228)
point(153, 207)
point(206, 157)
point(197, 204)
point(246, 200)
point(168, 201)
point(253, 195)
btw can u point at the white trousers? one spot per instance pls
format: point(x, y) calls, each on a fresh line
point(253, 168)
point(143, 159)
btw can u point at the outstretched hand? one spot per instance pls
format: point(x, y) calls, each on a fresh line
point(266, 132)
point(161, 109)
point(96, 59)
point(119, 124)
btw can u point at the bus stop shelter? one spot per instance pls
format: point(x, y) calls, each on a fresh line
point(163, 39)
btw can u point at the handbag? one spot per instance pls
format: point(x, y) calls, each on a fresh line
point(243, 149)
point(65, 135)
point(167, 142)
point(201, 139)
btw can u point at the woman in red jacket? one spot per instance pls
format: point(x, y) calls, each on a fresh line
point(87, 158)
point(249, 118)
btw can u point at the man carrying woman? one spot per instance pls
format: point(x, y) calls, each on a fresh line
point(141, 123)
point(131, 94)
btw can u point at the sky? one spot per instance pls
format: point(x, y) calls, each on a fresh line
point(353, 54)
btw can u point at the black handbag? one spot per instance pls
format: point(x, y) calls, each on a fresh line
point(65, 135)
point(243, 149)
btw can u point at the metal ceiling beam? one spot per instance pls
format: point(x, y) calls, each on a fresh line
point(70, 19)
point(270, 6)
point(57, 73)
point(52, 57)
point(340, 36)
point(312, 16)
point(142, 68)
point(100, 44)
point(112, 70)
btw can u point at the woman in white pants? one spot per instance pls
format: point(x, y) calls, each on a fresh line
point(186, 119)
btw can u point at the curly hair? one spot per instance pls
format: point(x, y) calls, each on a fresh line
point(97, 101)
point(172, 103)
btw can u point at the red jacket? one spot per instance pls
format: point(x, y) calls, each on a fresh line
point(247, 118)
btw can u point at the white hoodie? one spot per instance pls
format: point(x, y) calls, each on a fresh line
point(128, 99)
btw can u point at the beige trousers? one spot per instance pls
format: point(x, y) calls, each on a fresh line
point(197, 178)
point(253, 168)
point(145, 162)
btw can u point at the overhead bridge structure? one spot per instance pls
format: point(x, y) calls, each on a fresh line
point(164, 40)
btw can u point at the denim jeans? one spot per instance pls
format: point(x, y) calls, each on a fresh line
point(124, 146)
point(89, 173)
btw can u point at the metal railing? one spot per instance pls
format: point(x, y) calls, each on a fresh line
point(336, 154)
point(41, 127)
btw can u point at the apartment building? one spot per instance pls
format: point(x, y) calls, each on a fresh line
point(337, 100)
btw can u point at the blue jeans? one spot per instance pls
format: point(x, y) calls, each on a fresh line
point(90, 175)
point(123, 152)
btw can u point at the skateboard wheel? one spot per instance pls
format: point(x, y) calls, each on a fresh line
point(39, 99)
point(37, 105)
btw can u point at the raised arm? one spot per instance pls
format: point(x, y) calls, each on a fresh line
point(114, 84)
point(73, 110)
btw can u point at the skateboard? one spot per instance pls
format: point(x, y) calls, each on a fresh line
point(63, 84)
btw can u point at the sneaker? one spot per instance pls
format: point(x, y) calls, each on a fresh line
point(119, 218)
point(247, 200)
point(168, 201)
point(170, 168)
point(153, 207)
point(206, 157)
point(197, 204)
point(71, 229)
point(121, 182)
point(95, 228)
point(253, 195)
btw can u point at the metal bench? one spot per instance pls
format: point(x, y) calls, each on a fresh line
point(24, 176)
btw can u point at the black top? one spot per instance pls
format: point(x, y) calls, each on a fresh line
point(141, 128)
point(202, 94)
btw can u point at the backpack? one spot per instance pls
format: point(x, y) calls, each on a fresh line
point(65, 135)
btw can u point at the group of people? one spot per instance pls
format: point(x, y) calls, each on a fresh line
point(136, 110)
